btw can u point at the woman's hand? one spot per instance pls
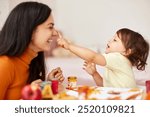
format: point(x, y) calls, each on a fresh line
point(37, 82)
point(56, 73)
point(90, 68)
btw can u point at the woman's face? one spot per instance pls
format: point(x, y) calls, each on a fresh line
point(43, 35)
point(115, 45)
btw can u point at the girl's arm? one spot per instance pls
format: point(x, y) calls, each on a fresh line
point(82, 52)
point(98, 79)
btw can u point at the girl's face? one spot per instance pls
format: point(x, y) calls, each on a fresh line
point(115, 45)
point(43, 35)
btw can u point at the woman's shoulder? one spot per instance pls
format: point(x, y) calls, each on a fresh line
point(7, 68)
point(6, 62)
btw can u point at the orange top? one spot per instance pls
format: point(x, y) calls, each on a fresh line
point(14, 72)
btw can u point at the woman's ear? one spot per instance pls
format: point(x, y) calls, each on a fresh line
point(33, 34)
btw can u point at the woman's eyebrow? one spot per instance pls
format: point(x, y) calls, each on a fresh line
point(51, 24)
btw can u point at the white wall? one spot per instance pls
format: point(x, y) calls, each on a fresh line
point(4, 6)
point(94, 22)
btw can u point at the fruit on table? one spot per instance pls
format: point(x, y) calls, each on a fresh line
point(31, 92)
point(85, 92)
point(47, 92)
point(147, 96)
point(64, 96)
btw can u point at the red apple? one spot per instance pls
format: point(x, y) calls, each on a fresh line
point(31, 92)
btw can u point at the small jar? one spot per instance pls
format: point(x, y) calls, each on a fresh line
point(72, 82)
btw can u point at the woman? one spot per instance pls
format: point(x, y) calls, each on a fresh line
point(27, 32)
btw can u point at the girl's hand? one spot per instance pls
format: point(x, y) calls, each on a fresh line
point(90, 68)
point(56, 73)
point(63, 43)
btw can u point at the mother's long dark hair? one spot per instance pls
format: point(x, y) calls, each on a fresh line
point(17, 31)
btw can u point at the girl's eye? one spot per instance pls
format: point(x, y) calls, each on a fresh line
point(115, 40)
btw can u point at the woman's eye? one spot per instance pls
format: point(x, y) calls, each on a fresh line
point(115, 40)
point(51, 28)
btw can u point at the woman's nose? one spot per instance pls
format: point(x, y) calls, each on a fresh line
point(55, 32)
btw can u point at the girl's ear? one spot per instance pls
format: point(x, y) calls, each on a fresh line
point(128, 52)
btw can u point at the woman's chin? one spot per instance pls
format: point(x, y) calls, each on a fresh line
point(46, 49)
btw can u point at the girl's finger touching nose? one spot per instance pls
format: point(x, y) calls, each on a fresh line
point(59, 34)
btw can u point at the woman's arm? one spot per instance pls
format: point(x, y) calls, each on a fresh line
point(6, 74)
